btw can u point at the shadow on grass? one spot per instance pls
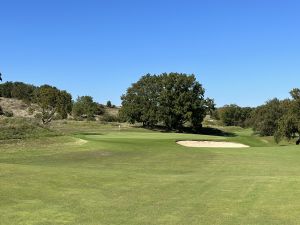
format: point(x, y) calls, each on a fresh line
point(88, 133)
point(216, 132)
point(204, 130)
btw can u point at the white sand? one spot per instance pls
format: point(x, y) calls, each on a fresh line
point(211, 144)
point(81, 142)
point(77, 141)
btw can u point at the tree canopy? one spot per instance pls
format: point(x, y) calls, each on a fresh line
point(289, 123)
point(85, 107)
point(172, 100)
point(53, 101)
point(234, 115)
point(265, 118)
point(18, 90)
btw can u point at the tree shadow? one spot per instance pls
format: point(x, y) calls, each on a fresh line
point(187, 130)
point(216, 132)
point(88, 133)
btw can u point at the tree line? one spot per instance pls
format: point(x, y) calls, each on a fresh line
point(54, 103)
point(278, 118)
point(174, 100)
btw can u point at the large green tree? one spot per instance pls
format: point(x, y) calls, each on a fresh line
point(172, 100)
point(140, 103)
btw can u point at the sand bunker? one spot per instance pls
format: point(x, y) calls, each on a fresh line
point(211, 144)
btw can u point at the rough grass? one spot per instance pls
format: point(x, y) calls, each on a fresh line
point(20, 128)
point(136, 177)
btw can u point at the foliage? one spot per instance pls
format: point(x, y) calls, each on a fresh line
point(52, 101)
point(169, 99)
point(85, 108)
point(18, 90)
point(109, 118)
point(8, 114)
point(109, 104)
point(19, 128)
point(64, 104)
point(265, 118)
point(289, 123)
point(100, 109)
point(234, 115)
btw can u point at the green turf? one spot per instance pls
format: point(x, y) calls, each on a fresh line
point(137, 177)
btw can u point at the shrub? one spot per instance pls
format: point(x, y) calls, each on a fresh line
point(1, 111)
point(100, 110)
point(108, 104)
point(8, 114)
point(110, 118)
point(234, 115)
point(266, 117)
point(85, 108)
point(19, 128)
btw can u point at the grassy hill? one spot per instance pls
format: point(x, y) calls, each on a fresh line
point(98, 174)
point(21, 109)
point(18, 107)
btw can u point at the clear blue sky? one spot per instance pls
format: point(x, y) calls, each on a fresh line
point(242, 51)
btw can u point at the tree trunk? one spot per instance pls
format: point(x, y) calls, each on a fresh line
point(48, 116)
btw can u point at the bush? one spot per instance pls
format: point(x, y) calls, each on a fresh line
point(17, 90)
point(108, 104)
point(233, 115)
point(266, 117)
point(85, 108)
point(8, 114)
point(31, 110)
point(20, 128)
point(110, 118)
point(100, 110)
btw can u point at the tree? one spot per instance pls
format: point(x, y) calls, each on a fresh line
point(234, 115)
point(22, 91)
point(108, 104)
point(18, 90)
point(1, 77)
point(172, 99)
point(210, 106)
point(229, 115)
point(289, 123)
point(266, 117)
point(64, 104)
point(52, 101)
point(85, 107)
point(140, 104)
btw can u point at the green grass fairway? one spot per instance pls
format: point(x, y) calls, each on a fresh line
point(98, 175)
